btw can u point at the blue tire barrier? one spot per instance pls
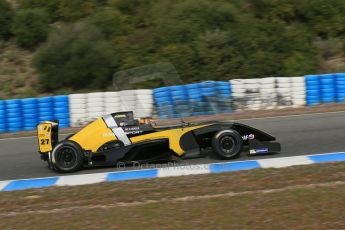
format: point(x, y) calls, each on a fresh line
point(2, 116)
point(224, 87)
point(61, 98)
point(195, 99)
point(44, 100)
point(194, 95)
point(29, 106)
point(161, 89)
point(193, 91)
point(46, 114)
point(312, 98)
point(61, 116)
point(340, 99)
point(162, 106)
point(313, 102)
point(177, 88)
point(327, 82)
point(340, 90)
point(29, 101)
point(326, 76)
point(181, 103)
point(60, 104)
point(178, 93)
point(45, 105)
point(207, 90)
point(311, 78)
point(30, 111)
point(313, 93)
point(3, 130)
point(312, 87)
point(180, 98)
point(340, 84)
point(13, 106)
point(182, 107)
point(327, 90)
point(60, 110)
point(327, 94)
point(45, 110)
point(163, 99)
point(222, 83)
point(63, 121)
point(16, 110)
point(29, 120)
point(314, 83)
point(2, 107)
point(29, 128)
point(209, 94)
point(47, 118)
point(162, 94)
point(224, 95)
point(14, 119)
point(30, 124)
point(341, 94)
point(3, 126)
point(192, 86)
point(12, 102)
point(13, 115)
point(14, 125)
point(62, 126)
point(328, 99)
point(207, 84)
point(30, 115)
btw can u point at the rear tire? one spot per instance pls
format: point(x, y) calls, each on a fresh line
point(227, 144)
point(67, 157)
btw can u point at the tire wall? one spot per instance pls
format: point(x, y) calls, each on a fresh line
point(203, 98)
point(268, 93)
point(89, 106)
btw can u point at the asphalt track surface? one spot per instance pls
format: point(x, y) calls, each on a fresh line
point(299, 135)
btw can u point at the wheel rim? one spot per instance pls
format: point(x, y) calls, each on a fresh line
point(66, 157)
point(227, 145)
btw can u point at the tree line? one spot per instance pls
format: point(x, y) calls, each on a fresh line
point(81, 43)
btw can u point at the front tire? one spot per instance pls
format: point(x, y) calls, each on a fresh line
point(67, 157)
point(227, 144)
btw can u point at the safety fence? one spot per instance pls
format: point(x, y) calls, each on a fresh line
point(209, 97)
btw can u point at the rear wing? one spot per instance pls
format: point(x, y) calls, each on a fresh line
point(47, 135)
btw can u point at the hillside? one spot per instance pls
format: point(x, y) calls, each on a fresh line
point(205, 39)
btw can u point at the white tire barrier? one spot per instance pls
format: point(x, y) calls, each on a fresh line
point(77, 109)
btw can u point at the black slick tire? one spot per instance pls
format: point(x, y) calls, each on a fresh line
point(227, 144)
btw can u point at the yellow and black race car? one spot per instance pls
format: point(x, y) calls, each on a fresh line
point(118, 137)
